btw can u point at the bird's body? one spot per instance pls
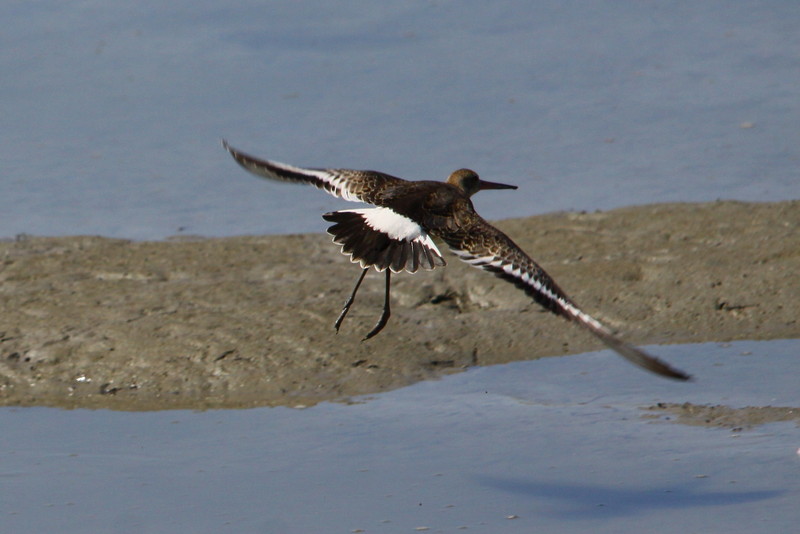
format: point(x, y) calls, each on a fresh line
point(397, 233)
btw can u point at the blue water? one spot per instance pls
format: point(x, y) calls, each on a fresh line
point(554, 445)
point(114, 112)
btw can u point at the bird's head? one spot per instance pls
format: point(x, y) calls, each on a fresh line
point(469, 182)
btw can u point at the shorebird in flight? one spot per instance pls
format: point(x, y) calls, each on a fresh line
point(396, 235)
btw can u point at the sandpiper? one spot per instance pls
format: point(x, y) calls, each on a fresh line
point(396, 235)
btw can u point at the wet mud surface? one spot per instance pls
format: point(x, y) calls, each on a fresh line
point(248, 321)
point(720, 416)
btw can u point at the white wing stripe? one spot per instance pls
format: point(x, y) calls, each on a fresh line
point(337, 181)
point(530, 280)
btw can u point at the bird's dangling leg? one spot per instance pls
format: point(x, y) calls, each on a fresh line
point(350, 300)
point(386, 310)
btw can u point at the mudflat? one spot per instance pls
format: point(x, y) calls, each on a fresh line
point(248, 321)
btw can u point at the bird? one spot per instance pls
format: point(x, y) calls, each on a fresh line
point(397, 234)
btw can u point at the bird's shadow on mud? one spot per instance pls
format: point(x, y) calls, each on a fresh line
point(584, 501)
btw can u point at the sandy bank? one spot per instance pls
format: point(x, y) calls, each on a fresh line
point(247, 321)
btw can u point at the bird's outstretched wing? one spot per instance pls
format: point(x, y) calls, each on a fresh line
point(484, 246)
point(357, 186)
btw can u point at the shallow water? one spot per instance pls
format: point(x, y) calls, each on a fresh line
point(557, 445)
point(118, 110)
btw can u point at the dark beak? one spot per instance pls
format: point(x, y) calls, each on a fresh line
point(483, 184)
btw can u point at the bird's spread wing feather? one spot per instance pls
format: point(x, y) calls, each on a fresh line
point(357, 186)
point(381, 238)
point(488, 248)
